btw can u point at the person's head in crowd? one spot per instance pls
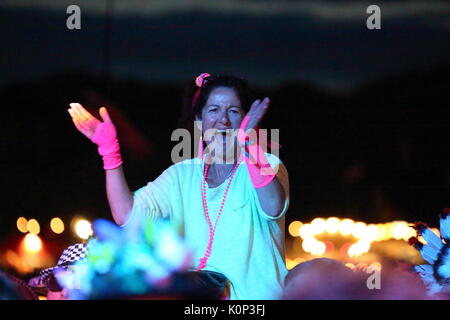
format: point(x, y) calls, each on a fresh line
point(207, 87)
point(322, 279)
point(13, 288)
point(49, 279)
point(214, 108)
point(328, 279)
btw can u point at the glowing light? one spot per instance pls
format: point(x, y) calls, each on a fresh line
point(371, 233)
point(383, 233)
point(344, 249)
point(399, 230)
point(358, 229)
point(57, 225)
point(352, 251)
point(33, 226)
point(83, 229)
point(318, 225)
point(32, 243)
point(365, 235)
point(306, 231)
point(329, 246)
point(358, 248)
point(294, 228)
point(350, 266)
point(308, 244)
point(345, 227)
point(290, 264)
point(318, 248)
point(411, 233)
point(364, 246)
point(11, 257)
point(22, 225)
point(332, 225)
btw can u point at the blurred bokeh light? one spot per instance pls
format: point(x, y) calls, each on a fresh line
point(33, 226)
point(22, 224)
point(57, 225)
point(82, 228)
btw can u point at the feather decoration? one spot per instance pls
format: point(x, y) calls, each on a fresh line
point(436, 274)
point(445, 225)
point(429, 254)
point(432, 239)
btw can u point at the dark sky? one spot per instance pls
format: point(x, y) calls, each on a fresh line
point(268, 42)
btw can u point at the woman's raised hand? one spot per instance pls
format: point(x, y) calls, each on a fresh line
point(85, 122)
point(257, 111)
point(103, 134)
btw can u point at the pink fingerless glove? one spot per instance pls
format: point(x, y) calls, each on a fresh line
point(105, 137)
point(261, 173)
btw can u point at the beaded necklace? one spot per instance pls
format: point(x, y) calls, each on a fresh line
point(212, 230)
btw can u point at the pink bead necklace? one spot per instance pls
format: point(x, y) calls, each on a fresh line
point(212, 229)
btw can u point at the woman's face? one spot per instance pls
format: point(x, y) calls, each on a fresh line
point(221, 112)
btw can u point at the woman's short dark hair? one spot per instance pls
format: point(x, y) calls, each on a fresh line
point(194, 102)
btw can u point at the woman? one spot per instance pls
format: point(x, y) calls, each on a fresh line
point(229, 206)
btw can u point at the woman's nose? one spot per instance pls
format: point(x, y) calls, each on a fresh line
point(224, 118)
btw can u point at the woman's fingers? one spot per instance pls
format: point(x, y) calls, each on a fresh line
point(105, 115)
point(84, 112)
point(265, 105)
point(80, 124)
point(254, 106)
point(85, 118)
point(72, 114)
point(80, 127)
point(77, 113)
point(257, 112)
point(75, 116)
point(81, 112)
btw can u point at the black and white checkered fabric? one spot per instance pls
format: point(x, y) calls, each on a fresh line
point(74, 253)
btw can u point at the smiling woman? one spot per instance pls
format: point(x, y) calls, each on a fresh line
point(230, 213)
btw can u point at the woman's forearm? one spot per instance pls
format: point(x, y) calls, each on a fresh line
point(271, 198)
point(119, 196)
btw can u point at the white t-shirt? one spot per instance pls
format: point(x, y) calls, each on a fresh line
point(248, 246)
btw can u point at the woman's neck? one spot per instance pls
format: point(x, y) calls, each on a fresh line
point(221, 171)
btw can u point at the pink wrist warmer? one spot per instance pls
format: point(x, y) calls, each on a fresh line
point(261, 173)
point(105, 137)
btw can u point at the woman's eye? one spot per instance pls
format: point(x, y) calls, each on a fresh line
point(234, 111)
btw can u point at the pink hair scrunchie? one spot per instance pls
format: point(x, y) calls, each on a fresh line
point(199, 83)
point(199, 80)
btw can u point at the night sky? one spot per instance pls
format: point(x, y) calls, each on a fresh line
point(268, 42)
